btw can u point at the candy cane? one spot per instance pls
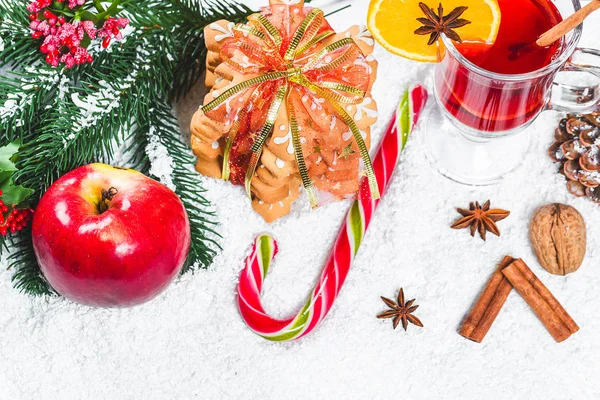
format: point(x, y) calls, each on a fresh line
point(348, 241)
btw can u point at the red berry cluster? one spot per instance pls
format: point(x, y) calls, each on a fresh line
point(62, 40)
point(37, 5)
point(112, 28)
point(65, 41)
point(16, 220)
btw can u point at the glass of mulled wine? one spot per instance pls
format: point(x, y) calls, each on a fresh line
point(487, 95)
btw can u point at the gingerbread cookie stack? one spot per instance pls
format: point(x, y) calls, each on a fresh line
point(326, 92)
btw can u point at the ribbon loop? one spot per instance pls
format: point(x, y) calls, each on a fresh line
point(357, 95)
point(362, 147)
point(313, 72)
point(263, 24)
point(306, 181)
point(305, 32)
point(235, 128)
point(270, 76)
point(243, 28)
point(306, 46)
point(259, 143)
point(321, 57)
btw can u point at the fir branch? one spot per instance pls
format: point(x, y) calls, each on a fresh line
point(28, 277)
point(19, 48)
point(86, 124)
point(69, 118)
point(70, 136)
point(338, 10)
point(188, 19)
point(190, 35)
point(24, 101)
point(91, 117)
point(163, 134)
point(49, 152)
point(135, 149)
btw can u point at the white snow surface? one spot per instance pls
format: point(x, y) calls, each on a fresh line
point(190, 343)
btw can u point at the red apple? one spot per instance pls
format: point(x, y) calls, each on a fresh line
point(110, 237)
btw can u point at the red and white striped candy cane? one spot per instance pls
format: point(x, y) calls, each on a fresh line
point(348, 241)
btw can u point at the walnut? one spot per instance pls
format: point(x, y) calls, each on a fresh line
point(558, 236)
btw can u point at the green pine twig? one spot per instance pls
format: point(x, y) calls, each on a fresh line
point(63, 129)
point(164, 128)
point(19, 50)
point(190, 36)
point(28, 277)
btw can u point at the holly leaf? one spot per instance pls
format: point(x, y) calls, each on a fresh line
point(12, 194)
point(6, 153)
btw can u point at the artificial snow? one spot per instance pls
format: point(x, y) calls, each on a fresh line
point(162, 163)
point(190, 343)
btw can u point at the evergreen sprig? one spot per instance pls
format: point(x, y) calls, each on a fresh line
point(15, 35)
point(191, 36)
point(188, 18)
point(28, 277)
point(164, 128)
point(68, 118)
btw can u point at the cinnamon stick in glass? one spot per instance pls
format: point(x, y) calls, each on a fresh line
point(567, 25)
point(483, 314)
point(550, 312)
point(557, 32)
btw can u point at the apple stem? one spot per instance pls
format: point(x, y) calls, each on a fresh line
point(107, 196)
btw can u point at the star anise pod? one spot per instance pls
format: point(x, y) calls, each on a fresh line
point(401, 311)
point(436, 24)
point(482, 219)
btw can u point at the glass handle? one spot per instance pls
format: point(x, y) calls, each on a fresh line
point(577, 87)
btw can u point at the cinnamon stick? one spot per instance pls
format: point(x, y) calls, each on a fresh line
point(567, 25)
point(483, 314)
point(542, 302)
point(547, 296)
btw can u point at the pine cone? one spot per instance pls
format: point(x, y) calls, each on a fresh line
point(577, 148)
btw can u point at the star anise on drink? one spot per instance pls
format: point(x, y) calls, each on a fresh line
point(401, 311)
point(482, 219)
point(436, 24)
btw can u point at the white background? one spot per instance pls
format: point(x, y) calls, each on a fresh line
point(190, 343)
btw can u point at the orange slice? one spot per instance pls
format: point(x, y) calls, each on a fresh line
point(393, 23)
